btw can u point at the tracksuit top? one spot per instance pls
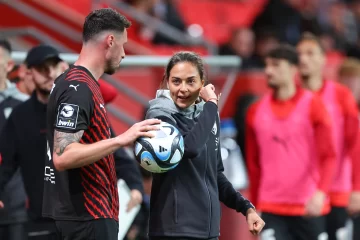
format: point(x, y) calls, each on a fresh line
point(185, 201)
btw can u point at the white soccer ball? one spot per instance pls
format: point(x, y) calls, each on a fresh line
point(161, 153)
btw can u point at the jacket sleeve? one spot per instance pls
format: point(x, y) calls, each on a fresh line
point(8, 157)
point(227, 194)
point(196, 137)
point(252, 155)
point(127, 169)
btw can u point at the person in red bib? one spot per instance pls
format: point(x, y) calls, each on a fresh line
point(342, 108)
point(289, 153)
point(349, 75)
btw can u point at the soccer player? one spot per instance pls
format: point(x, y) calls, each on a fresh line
point(185, 202)
point(349, 75)
point(342, 108)
point(80, 189)
point(289, 154)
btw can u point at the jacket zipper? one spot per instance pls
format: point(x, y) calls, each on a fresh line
point(207, 188)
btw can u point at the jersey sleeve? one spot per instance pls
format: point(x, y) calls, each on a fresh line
point(74, 108)
point(323, 129)
point(350, 113)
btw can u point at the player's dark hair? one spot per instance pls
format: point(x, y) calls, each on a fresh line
point(104, 19)
point(284, 52)
point(5, 44)
point(308, 36)
point(180, 57)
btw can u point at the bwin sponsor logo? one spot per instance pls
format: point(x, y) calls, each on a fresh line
point(66, 124)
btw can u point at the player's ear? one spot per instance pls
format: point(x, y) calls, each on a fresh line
point(202, 82)
point(110, 40)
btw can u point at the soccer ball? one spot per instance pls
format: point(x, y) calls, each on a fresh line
point(162, 152)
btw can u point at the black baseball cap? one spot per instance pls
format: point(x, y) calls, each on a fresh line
point(39, 54)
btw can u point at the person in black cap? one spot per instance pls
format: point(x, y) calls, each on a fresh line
point(23, 140)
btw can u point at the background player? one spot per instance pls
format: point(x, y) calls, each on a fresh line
point(342, 108)
point(290, 157)
point(349, 75)
point(80, 190)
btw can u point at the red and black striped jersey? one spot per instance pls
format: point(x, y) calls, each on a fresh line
point(89, 192)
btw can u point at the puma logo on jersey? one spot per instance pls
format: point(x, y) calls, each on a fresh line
point(75, 87)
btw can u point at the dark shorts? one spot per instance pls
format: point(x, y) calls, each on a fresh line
point(99, 229)
point(14, 231)
point(356, 228)
point(293, 227)
point(336, 223)
point(41, 229)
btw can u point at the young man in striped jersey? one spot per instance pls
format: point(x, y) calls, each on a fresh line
point(80, 191)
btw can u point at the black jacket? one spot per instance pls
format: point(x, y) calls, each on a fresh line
point(23, 146)
point(185, 200)
point(13, 196)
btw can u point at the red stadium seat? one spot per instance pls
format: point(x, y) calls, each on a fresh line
point(219, 18)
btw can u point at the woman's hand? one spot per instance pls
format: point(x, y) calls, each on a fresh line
point(254, 221)
point(208, 93)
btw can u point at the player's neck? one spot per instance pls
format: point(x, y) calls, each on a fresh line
point(285, 92)
point(313, 83)
point(89, 58)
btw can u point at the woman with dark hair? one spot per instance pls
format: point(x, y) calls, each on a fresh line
point(185, 202)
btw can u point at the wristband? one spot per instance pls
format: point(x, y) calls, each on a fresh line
point(212, 99)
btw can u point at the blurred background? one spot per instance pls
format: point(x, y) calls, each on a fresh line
point(232, 35)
